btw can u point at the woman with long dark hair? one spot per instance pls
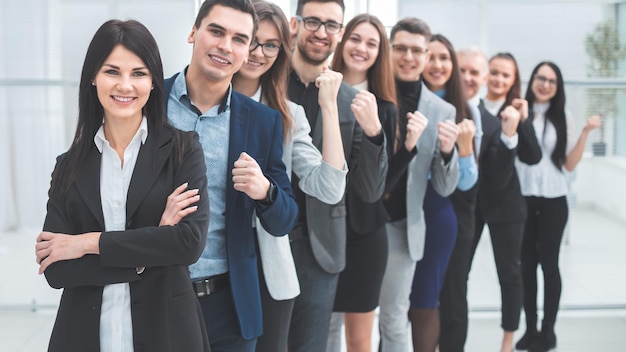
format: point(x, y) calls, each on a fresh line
point(264, 78)
point(124, 274)
point(441, 75)
point(544, 186)
point(363, 57)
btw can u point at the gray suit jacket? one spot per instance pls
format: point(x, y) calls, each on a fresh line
point(444, 177)
point(317, 179)
point(368, 168)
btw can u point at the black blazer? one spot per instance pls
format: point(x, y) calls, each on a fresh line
point(499, 196)
point(165, 312)
point(365, 217)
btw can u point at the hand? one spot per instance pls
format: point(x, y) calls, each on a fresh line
point(328, 83)
point(593, 122)
point(179, 205)
point(415, 126)
point(465, 140)
point(447, 132)
point(53, 247)
point(248, 178)
point(510, 120)
point(365, 111)
point(521, 105)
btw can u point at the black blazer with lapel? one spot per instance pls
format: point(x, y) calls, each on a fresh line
point(165, 312)
point(499, 196)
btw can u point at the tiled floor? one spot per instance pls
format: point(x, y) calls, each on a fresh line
point(593, 306)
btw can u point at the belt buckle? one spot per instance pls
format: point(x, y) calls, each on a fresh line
point(207, 287)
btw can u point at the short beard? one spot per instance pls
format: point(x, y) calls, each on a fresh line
point(307, 59)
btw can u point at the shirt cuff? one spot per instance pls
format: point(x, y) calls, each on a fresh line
point(509, 142)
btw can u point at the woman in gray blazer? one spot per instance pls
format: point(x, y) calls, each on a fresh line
point(323, 176)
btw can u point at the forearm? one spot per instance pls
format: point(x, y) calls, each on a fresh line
point(332, 146)
point(576, 154)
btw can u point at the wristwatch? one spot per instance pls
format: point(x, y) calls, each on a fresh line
point(272, 192)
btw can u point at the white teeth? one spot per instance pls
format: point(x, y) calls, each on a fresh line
point(219, 60)
point(122, 99)
point(254, 63)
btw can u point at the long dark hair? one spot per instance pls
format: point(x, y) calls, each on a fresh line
point(555, 113)
point(516, 89)
point(135, 37)
point(454, 90)
point(380, 75)
point(274, 81)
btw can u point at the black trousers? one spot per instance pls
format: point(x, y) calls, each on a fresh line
point(506, 242)
point(542, 244)
point(453, 298)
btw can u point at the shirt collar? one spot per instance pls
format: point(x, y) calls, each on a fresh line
point(142, 133)
point(179, 89)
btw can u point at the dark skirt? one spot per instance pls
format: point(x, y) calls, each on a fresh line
point(441, 231)
point(359, 284)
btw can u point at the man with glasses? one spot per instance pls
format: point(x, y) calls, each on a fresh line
point(425, 153)
point(242, 142)
point(318, 242)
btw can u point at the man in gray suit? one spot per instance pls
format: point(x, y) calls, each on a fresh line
point(318, 242)
point(425, 150)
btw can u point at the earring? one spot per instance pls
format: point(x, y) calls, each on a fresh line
point(93, 83)
point(152, 88)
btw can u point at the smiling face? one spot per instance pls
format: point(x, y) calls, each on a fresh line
point(316, 47)
point(544, 84)
point(409, 63)
point(361, 48)
point(500, 78)
point(221, 44)
point(123, 84)
point(439, 68)
point(258, 63)
point(473, 69)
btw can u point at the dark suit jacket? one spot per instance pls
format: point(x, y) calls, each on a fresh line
point(365, 217)
point(367, 164)
point(257, 130)
point(166, 315)
point(499, 197)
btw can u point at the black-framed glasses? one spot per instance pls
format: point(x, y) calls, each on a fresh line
point(544, 80)
point(269, 49)
point(313, 24)
point(403, 49)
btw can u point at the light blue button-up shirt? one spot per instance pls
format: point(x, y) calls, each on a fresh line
point(213, 127)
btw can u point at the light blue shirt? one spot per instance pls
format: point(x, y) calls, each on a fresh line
point(213, 127)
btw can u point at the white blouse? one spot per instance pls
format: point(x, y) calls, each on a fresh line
point(544, 179)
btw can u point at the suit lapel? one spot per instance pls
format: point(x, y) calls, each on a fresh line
point(237, 143)
point(88, 184)
point(150, 160)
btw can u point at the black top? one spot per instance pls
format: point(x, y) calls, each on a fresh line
point(395, 198)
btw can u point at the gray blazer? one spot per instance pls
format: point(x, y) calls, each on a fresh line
point(317, 179)
point(444, 177)
point(368, 169)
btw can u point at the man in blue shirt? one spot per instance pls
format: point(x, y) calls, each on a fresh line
point(242, 142)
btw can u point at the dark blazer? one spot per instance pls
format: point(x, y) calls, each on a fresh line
point(499, 197)
point(367, 164)
point(165, 312)
point(257, 130)
point(366, 217)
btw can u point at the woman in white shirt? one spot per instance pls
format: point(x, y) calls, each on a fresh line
point(544, 186)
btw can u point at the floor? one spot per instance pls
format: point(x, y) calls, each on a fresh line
point(593, 305)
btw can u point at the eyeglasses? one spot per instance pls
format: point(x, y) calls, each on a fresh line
point(544, 80)
point(403, 49)
point(269, 49)
point(313, 24)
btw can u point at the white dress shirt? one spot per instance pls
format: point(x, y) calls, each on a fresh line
point(116, 330)
point(544, 179)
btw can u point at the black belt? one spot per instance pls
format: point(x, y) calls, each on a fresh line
point(298, 233)
point(205, 287)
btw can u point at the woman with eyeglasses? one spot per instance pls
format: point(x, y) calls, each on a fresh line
point(544, 187)
point(363, 57)
point(443, 220)
point(264, 78)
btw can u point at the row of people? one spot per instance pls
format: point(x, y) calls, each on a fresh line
point(348, 246)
